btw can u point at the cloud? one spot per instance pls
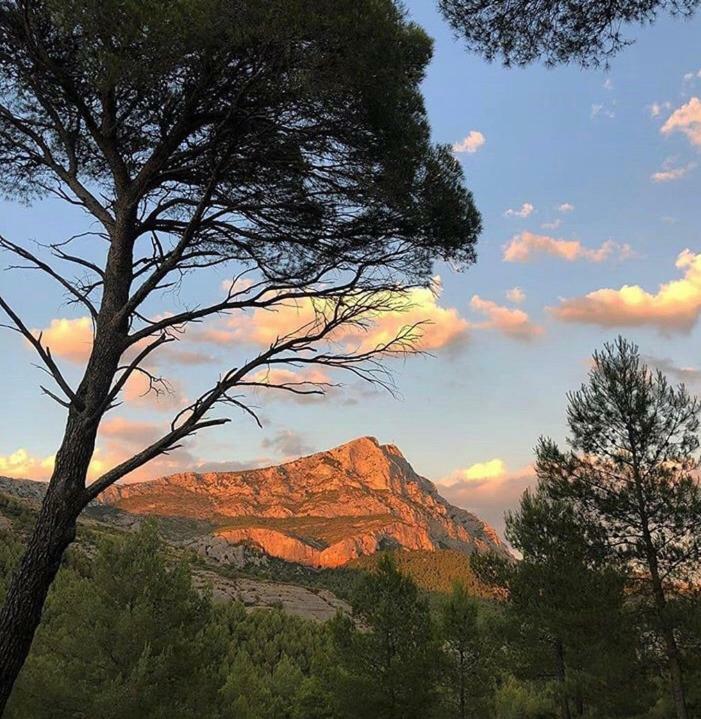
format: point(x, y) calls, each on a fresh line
point(490, 495)
point(552, 225)
point(164, 396)
point(130, 431)
point(687, 120)
point(608, 84)
point(21, 465)
point(481, 470)
point(515, 295)
point(603, 110)
point(566, 207)
point(656, 108)
point(675, 307)
point(525, 210)
point(512, 322)
point(670, 173)
point(287, 443)
point(687, 375)
point(70, 339)
point(472, 142)
point(526, 245)
point(443, 326)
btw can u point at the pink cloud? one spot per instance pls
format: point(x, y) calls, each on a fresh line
point(489, 493)
point(70, 339)
point(675, 307)
point(472, 142)
point(514, 323)
point(670, 173)
point(687, 120)
point(440, 326)
point(527, 245)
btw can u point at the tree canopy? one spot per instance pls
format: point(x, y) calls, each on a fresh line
point(519, 32)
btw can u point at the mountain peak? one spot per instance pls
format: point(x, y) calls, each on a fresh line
point(324, 509)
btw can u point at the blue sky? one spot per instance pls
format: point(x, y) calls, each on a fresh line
point(592, 139)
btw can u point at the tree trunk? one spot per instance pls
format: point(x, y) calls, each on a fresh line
point(660, 600)
point(65, 497)
point(670, 642)
point(561, 678)
point(21, 613)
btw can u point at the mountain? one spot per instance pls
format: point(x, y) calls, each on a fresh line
point(323, 510)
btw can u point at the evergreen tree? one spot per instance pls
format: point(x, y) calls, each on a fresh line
point(124, 635)
point(466, 676)
point(568, 610)
point(630, 477)
point(281, 141)
point(387, 654)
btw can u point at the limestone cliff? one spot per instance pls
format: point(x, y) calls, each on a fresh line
point(322, 510)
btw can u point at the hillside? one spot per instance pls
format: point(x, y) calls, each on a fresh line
point(323, 510)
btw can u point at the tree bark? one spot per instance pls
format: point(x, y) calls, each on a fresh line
point(670, 642)
point(21, 613)
point(660, 601)
point(66, 495)
point(561, 678)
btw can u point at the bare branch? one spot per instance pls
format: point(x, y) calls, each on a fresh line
point(44, 353)
point(44, 267)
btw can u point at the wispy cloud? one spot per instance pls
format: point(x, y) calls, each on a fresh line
point(669, 173)
point(513, 323)
point(526, 210)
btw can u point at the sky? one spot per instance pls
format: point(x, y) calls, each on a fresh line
point(589, 184)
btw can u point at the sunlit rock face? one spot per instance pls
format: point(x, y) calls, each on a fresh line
point(322, 510)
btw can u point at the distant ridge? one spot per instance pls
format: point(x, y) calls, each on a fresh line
point(322, 510)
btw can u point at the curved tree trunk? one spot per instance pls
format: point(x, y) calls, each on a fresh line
point(66, 495)
point(29, 585)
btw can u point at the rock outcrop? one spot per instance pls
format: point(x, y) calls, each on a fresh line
point(322, 510)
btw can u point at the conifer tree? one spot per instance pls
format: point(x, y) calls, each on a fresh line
point(631, 477)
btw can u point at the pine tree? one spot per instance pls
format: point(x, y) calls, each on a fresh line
point(631, 477)
point(387, 654)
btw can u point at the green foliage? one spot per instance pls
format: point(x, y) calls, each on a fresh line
point(388, 670)
point(432, 570)
point(522, 700)
point(569, 621)
point(557, 31)
point(468, 669)
point(631, 480)
point(118, 635)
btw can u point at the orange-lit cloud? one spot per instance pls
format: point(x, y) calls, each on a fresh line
point(163, 396)
point(687, 120)
point(675, 307)
point(22, 465)
point(442, 326)
point(512, 322)
point(527, 245)
point(489, 469)
point(70, 339)
point(488, 489)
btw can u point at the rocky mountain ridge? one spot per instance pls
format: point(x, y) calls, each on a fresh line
point(322, 510)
